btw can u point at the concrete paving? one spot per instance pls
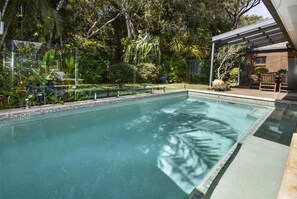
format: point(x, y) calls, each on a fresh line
point(256, 172)
point(258, 93)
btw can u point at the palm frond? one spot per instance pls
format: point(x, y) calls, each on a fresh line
point(145, 49)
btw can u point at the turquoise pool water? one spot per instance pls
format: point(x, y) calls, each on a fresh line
point(153, 148)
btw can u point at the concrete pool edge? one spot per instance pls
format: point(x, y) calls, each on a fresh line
point(236, 98)
point(21, 113)
point(207, 181)
point(244, 99)
point(210, 182)
point(202, 188)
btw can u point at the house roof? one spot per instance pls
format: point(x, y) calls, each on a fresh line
point(284, 13)
point(263, 33)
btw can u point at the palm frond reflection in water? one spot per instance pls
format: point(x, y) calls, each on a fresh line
point(192, 142)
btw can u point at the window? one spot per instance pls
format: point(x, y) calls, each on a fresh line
point(260, 60)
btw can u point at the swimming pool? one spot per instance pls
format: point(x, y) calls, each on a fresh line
point(160, 147)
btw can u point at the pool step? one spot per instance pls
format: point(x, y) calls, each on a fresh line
point(256, 113)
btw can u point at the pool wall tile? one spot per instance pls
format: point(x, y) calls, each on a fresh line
point(22, 114)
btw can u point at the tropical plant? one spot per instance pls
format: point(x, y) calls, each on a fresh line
point(185, 48)
point(144, 49)
point(114, 31)
point(70, 63)
point(48, 63)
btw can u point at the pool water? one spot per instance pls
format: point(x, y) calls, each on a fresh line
point(280, 125)
point(152, 148)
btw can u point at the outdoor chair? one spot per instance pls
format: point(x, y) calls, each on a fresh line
point(283, 85)
point(254, 81)
point(267, 82)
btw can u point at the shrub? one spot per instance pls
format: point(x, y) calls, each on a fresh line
point(221, 87)
point(93, 60)
point(92, 68)
point(147, 72)
point(174, 67)
point(261, 70)
point(122, 73)
point(234, 74)
point(282, 71)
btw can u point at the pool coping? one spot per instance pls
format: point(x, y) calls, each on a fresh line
point(22, 113)
point(236, 98)
point(246, 99)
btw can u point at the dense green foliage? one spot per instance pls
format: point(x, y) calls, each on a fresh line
point(147, 72)
point(110, 41)
point(122, 73)
point(234, 74)
point(261, 70)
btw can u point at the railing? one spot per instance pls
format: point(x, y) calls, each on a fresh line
point(50, 94)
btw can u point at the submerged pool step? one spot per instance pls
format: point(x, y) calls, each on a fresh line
point(256, 113)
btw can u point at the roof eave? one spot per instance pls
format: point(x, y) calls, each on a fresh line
point(278, 20)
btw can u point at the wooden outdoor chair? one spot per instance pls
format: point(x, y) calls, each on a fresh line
point(267, 82)
point(283, 85)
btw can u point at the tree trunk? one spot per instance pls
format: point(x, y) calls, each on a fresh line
point(7, 25)
point(130, 27)
point(3, 36)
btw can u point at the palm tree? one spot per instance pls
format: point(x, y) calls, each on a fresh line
point(185, 48)
point(144, 49)
point(20, 16)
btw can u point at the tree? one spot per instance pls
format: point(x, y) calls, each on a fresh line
point(28, 19)
point(178, 29)
point(186, 48)
point(226, 57)
point(57, 20)
point(235, 9)
point(246, 20)
point(124, 4)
